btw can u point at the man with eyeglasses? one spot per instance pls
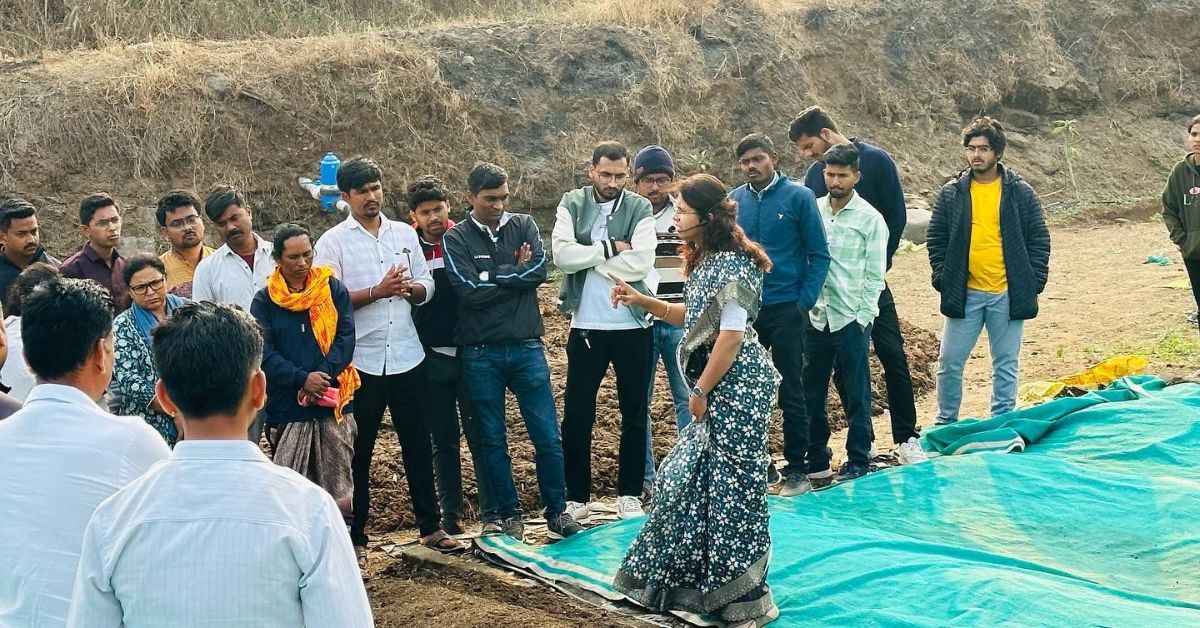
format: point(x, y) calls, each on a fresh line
point(653, 174)
point(98, 259)
point(179, 223)
point(602, 231)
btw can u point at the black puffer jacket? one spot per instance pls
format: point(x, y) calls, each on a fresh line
point(1026, 244)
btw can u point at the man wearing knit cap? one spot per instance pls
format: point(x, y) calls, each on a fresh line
point(654, 172)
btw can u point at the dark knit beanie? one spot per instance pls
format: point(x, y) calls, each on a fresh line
point(652, 159)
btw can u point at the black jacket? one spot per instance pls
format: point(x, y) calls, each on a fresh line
point(436, 320)
point(498, 299)
point(1025, 242)
point(879, 186)
point(291, 352)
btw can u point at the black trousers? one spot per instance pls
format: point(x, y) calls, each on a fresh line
point(1193, 271)
point(400, 394)
point(445, 402)
point(781, 328)
point(589, 352)
point(889, 348)
point(844, 351)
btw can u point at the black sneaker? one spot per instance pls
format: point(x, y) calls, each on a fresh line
point(514, 527)
point(773, 475)
point(851, 471)
point(562, 526)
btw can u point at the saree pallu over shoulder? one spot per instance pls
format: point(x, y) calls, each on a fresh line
point(705, 545)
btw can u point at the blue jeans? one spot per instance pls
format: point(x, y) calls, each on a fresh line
point(521, 367)
point(984, 309)
point(666, 341)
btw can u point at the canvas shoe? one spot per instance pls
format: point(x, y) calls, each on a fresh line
point(629, 507)
point(795, 484)
point(514, 527)
point(579, 511)
point(851, 471)
point(910, 452)
point(562, 526)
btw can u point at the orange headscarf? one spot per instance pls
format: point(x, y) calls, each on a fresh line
point(318, 300)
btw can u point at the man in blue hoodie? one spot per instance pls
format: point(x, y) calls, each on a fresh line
point(782, 216)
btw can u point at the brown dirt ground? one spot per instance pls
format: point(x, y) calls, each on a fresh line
point(1089, 311)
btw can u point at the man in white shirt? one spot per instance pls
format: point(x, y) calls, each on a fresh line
point(217, 535)
point(603, 231)
point(62, 454)
point(234, 273)
point(381, 263)
point(15, 373)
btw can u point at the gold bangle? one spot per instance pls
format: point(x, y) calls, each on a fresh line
point(666, 310)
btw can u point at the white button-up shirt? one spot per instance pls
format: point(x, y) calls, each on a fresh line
point(223, 277)
point(60, 456)
point(386, 339)
point(219, 536)
point(15, 373)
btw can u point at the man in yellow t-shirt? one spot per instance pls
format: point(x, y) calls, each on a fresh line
point(179, 222)
point(989, 250)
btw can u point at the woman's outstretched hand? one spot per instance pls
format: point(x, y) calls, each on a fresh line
point(624, 294)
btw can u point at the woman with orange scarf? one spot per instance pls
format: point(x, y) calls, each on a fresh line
point(308, 341)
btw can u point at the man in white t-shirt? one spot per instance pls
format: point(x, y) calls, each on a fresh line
point(62, 454)
point(603, 231)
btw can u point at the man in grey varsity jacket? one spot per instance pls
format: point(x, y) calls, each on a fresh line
point(603, 231)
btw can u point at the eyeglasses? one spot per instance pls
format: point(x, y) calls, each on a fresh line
point(153, 285)
point(657, 180)
point(186, 221)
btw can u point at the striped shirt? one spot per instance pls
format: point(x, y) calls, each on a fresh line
point(668, 265)
point(857, 237)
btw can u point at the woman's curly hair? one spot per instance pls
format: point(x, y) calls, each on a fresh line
point(709, 198)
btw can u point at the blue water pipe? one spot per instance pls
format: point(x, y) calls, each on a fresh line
point(325, 189)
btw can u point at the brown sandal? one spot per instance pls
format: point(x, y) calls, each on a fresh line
point(442, 542)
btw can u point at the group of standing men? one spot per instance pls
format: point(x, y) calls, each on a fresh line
point(435, 321)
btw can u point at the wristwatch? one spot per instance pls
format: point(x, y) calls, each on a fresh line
point(697, 391)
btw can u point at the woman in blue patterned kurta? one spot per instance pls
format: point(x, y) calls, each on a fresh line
point(705, 545)
point(134, 374)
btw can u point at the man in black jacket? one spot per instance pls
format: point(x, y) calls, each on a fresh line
point(814, 132)
point(445, 396)
point(990, 253)
point(496, 262)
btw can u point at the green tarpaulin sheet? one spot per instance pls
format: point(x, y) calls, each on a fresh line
point(1096, 523)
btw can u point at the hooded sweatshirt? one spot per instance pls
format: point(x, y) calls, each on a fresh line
point(1181, 206)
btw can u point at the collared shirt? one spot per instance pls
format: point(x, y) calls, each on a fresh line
point(180, 271)
point(60, 457)
point(504, 216)
point(9, 272)
point(15, 373)
point(858, 238)
point(86, 263)
point(224, 277)
point(218, 536)
point(386, 339)
point(760, 193)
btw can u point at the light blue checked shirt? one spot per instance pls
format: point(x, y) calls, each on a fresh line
point(857, 237)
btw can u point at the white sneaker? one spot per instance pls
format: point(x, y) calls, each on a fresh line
point(910, 452)
point(629, 507)
point(579, 512)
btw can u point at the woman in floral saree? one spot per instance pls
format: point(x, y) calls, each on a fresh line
point(705, 545)
point(134, 374)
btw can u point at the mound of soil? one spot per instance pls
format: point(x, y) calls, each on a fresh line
point(390, 505)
